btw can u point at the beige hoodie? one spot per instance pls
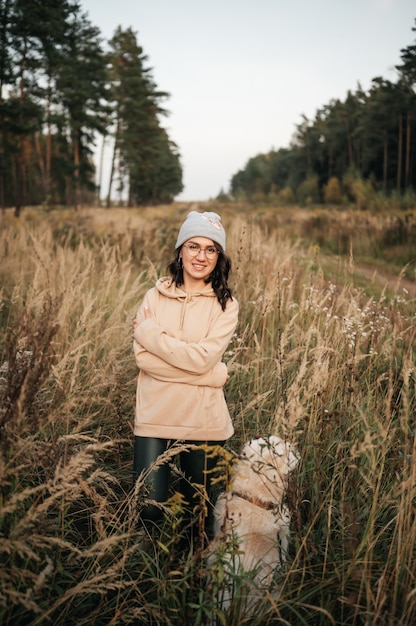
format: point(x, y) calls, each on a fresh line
point(179, 351)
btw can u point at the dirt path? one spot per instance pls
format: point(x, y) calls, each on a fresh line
point(367, 275)
point(382, 279)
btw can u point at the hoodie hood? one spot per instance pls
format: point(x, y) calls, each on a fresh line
point(168, 288)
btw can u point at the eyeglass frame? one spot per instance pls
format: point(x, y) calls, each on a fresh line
point(201, 249)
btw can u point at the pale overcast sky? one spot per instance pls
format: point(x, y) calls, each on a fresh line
point(241, 73)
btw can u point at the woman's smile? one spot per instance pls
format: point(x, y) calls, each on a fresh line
point(196, 269)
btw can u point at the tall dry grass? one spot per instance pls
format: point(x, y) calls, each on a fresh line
point(314, 358)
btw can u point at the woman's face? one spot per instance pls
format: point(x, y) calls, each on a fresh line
point(199, 258)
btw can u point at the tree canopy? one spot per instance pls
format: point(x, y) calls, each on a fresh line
point(370, 136)
point(60, 89)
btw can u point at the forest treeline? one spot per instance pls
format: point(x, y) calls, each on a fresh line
point(352, 150)
point(62, 90)
point(65, 94)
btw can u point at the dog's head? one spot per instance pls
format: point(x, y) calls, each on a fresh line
point(264, 467)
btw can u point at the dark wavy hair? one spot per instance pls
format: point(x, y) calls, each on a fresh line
point(218, 277)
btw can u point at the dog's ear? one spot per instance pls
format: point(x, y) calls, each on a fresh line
point(258, 444)
point(248, 452)
point(277, 446)
point(274, 440)
point(293, 459)
point(254, 447)
point(285, 449)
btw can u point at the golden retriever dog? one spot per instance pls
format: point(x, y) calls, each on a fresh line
point(251, 515)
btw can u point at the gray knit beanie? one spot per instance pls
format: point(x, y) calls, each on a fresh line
point(206, 224)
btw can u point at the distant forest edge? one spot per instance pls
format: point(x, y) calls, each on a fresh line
point(65, 92)
point(60, 90)
point(361, 150)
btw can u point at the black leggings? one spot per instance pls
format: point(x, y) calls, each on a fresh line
point(196, 464)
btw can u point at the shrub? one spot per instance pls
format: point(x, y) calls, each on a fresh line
point(308, 191)
point(363, 193)
point(332, 191)
point(286, 196)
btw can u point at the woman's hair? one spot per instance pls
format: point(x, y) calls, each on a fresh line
point(218, 277)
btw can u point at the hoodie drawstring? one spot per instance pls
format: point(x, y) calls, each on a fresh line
point(184, 302)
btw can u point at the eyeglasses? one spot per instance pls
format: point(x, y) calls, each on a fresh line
point(193, 250)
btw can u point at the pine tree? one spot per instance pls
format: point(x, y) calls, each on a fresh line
point(82, 86)
point(24, 116)
point(148, 160)
point(407, 71)
point(6, 74)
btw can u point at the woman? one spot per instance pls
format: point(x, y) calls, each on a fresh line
point(181, 332)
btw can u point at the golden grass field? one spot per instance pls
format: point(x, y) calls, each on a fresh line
point(324, 354)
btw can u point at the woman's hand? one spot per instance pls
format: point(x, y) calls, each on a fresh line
point(146, 315)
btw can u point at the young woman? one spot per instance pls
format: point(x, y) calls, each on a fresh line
point(181, 332)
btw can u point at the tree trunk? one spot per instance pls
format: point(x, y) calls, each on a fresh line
point(100, 172)
point(48, 147)
point(113, 161)
point(21, 147)
point(408, 142)
point(330, 160)
point(399, 154)
point(19, 186)
point(41, 164)
point(350, 151)
point(77, 202)
point(385, 164)
point(110, 182)
point(2, 163)
point(2, 198)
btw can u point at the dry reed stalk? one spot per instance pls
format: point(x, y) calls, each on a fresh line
point(318, 361)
